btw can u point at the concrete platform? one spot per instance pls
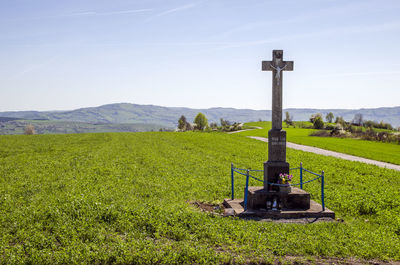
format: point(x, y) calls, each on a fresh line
point(296, 199)
point(315, 211)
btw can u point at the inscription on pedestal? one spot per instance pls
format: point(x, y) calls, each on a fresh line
point(276, 146)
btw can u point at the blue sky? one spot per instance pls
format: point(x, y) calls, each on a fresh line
point(58, 55)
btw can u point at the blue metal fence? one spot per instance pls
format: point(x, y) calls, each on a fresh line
point(248, 176)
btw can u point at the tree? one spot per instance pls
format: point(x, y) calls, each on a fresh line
point(201, 121)
point(318, 123)
point(358, 119)
point(288, 119)
point(314, 116)
point(214, 125)
point(340, 120)
point(329, 117)
point(182, 123)
point(29, 129)
point(223, 122)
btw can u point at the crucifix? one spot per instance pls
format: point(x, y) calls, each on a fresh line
point(276, 163)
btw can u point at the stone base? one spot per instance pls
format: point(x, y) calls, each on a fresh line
point(293, 205)
point(314, 213)
point(296, 199)
point(271, 173)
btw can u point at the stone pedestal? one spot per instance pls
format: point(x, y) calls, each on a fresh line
point(271, 173)
point(276, 158)
point(297, 199)
point(276, 145)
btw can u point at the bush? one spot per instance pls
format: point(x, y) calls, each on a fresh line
point(201, 121)
point(338, 130)
point(289, 119)
point(340, 120)
point(321, 133)
point(329, 127)
point(380, 125)
point(315, 116)
point(318, 123)
point(182, 123)
point(329, 117)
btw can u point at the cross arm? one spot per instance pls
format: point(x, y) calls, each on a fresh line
point(289, 66)
point(266, 66)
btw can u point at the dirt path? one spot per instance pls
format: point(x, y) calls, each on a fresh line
point(324, 152)
point(255, 128)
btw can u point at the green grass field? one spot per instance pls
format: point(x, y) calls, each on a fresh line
point(123, 198)
point(386, 152)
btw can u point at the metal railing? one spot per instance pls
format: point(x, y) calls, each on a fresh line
point(248, 176)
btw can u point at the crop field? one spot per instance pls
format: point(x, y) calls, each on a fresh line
point(123, 198)
point(386, 152)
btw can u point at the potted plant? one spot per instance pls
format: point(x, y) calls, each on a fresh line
point(284, 180)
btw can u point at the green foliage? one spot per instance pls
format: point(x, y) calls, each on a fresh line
point(182, 123)
point(288, 119)
point(358, 119)
point(214, 125)
point(380, 125)
point(314, 116)
point(224, 123)
point(201, 121)
point(318, 123)
point(329, 117)
point(340, 121)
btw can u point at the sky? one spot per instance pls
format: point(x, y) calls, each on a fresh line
point(60, 55)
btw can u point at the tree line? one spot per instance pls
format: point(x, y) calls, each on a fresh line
point(200, 123)
point(358, 120)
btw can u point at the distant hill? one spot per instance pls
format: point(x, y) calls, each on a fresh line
point(17, 126)
point(126, 113)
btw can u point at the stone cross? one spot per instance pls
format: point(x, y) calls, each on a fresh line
point(277, 65)
point(276, 163)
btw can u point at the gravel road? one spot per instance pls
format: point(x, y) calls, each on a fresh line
point(320, 151)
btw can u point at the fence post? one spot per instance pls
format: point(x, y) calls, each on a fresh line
point(246, 189)
point(232, 182)
point(301, 175)
point(322, 190)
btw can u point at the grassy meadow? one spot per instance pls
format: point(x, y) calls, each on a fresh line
point(386, 152)
point(123, 198)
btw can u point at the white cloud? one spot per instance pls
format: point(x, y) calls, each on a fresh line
point(173, 10)
point(326, 32)
point(90, 13)
point(35, 67)
point(362, 73)
point(351, 9)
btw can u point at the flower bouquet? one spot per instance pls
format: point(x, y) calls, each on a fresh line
point(285, 179)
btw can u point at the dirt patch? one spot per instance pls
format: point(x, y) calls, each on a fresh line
point(208, 207)
point(333, 260)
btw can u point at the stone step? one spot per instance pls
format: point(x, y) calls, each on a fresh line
point(297, 199)
point(315, 211)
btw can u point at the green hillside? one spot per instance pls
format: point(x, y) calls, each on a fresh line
point(168, 116)
point(55, 126)
point(123, 198)
point(386, 152)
